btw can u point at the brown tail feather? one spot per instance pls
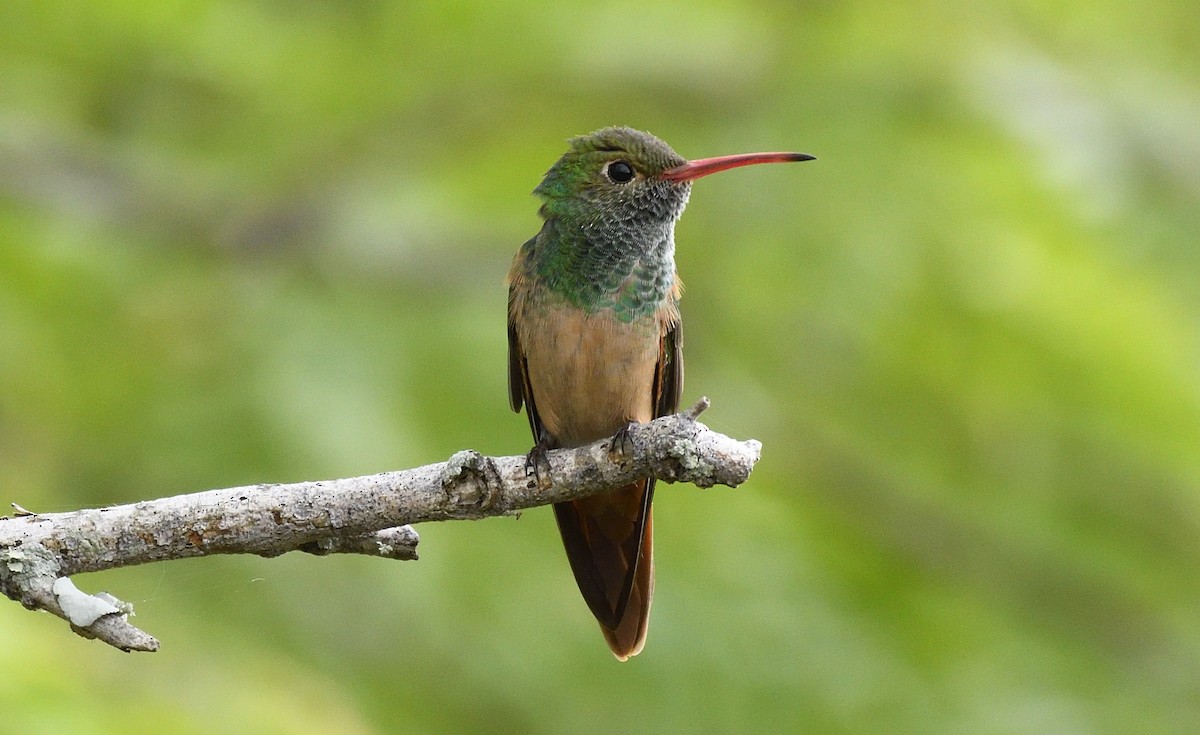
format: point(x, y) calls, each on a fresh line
point(629, 636)
point(609, 543)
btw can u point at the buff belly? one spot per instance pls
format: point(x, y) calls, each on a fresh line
point(591, 373)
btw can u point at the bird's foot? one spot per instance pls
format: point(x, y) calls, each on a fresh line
point(622, 441)
point(537, 464)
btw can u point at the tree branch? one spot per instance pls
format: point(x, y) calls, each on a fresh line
point(358, 515)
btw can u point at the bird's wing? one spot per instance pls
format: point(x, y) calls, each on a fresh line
point(668, 385)
point(519, 391)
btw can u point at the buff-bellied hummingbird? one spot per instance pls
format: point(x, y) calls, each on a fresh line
point(595, 342)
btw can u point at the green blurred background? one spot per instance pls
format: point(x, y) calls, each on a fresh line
point(265, 241)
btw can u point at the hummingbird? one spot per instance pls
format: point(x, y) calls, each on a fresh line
point(595, 343)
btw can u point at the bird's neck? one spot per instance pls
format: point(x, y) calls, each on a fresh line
point(628, 268)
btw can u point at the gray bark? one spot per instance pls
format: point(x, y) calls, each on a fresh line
point(359, 515)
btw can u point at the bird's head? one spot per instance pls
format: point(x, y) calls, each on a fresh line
point(628, 177)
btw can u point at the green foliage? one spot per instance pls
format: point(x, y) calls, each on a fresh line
point(245, 242)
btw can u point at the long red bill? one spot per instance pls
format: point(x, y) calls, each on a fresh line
point(704, 166)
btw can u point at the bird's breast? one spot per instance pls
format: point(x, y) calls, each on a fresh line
point(590, 373)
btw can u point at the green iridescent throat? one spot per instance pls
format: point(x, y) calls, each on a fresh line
point(631, 278)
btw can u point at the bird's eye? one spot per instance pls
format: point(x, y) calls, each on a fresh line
point(620, 172)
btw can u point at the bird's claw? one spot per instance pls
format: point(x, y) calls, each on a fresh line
point(622, 440)
point(537, 464)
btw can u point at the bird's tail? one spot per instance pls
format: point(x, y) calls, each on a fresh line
point(609, 543)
